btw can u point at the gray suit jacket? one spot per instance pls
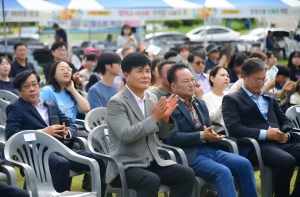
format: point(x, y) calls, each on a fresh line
point(131, 135)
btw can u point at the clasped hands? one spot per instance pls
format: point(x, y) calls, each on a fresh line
point(59, 131)
point(275, 134)
point(210, 135)
point(163, 109)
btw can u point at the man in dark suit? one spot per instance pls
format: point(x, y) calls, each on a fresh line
point(30, 112)
point(251, 112)
point(195, 135)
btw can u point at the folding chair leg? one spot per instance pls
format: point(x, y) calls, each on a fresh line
point(166, 194)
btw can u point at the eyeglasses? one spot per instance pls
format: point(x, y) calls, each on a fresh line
point(260, 81)
point(199, 62)
point(27, 86)
point(63, 69)
point(61, 50)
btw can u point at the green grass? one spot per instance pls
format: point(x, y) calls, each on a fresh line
point(77, 181)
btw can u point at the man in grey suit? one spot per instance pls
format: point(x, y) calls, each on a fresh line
point(133, 117)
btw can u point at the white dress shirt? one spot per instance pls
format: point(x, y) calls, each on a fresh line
point(140, 102)
point(43, 111)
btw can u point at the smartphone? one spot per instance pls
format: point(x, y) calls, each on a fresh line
point(54, 120)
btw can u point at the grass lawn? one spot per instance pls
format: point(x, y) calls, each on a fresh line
point(77, 181)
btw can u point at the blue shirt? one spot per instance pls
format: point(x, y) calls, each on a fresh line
point(209, 65)
point(63, 100)
point(99, 94)
point(204, 82)
point(270, 42)
point(263, 106)
point(233, 76)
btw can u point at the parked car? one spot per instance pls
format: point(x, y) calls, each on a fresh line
point(258, 35)
point(166, 40)
point(213, 34)
point(32, 43)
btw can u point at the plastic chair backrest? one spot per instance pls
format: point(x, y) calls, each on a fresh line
point(3, 118)
point(34, 148)
point(293, 113)
point(43, 82)
point(95, 118)
point(84, 86)
point(8, 96)
point(98, 139)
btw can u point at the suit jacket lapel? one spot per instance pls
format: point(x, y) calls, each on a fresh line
point(270, 109)
point(197, 107)
point(33, 110)
point(185, 112)
point(245, 97)
point(132, 103)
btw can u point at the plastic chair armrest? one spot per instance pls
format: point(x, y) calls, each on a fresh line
point(230, 144)
point(10, 174)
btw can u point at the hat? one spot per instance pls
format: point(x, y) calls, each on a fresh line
point(210, 48)
point(90, 49)
point(55, 25)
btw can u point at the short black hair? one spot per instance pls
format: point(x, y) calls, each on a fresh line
point(134, 60)
point(91, 56)
point(162, 64)
point(236, 60)
point(21, 77)
point(253, 65)
point(57, 45)
point(171, 72)
point(283, 70)
point(19, 44)
point(191, 58)
point(108, 57)
point(169, 54)
point(214, 71)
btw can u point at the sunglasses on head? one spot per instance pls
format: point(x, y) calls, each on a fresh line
point(199, 62)
point(215, 51)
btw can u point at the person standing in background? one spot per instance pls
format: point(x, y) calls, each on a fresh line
point(20, 64)
point(126, 39)
point(60, 34)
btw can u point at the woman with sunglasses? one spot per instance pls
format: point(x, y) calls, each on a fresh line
point(235, 66)
point(60, 88)
point(197, 61)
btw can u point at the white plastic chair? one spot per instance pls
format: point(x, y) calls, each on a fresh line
point(30, 150)
point(3, 118)
point(95, 118)
point(8, 96)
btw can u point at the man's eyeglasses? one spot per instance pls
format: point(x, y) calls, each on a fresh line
point(27, 86)
point(260, 81)
point(199, 62)
point(62, 69)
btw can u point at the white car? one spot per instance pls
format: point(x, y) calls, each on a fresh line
point(258, 35)
point(213, 34)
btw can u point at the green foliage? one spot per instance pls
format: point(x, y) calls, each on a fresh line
point(174, 23)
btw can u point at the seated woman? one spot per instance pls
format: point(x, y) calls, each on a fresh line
point(60, 88)
point(5, 81)
point(235, 66)
point(295, 98)
point(155, 82)
point(272, 59)
point(219, 81)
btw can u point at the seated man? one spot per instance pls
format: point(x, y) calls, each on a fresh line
point(165, 88)
point(251, 112)
point(273, 46)
point(133, 117)
point(197, 60)
point(195, 135)
point(30, 112)
point(8, 190)
point(108, 64)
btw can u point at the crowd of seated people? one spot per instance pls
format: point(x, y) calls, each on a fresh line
point(178, 101)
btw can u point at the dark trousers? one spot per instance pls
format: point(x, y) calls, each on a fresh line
point(60, 167)
point(146, 181)
point(11, 191)
point(282, 158)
